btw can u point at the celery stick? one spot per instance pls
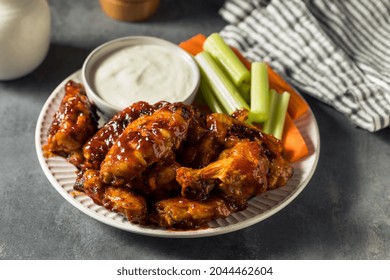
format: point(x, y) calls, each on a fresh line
point(223, 54)
point(209, 98)
point(284, 98)
point(275, 123)
point(259, 92)
point(225, 91)
point(245, 90)
point(270, 123)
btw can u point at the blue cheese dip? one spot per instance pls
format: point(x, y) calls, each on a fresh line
point(150, 73)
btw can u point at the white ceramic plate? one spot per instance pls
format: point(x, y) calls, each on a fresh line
point(62, 176)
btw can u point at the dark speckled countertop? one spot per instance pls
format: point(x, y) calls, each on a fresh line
point(343, 213)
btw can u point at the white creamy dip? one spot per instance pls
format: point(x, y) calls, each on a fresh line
point(148, 73)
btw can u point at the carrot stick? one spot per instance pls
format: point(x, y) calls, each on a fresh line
point(194, 45)
point(294, 146)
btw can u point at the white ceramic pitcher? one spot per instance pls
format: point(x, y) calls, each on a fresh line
point(24, 36)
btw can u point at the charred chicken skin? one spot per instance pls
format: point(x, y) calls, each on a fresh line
point(166, 164)
point(73, 124)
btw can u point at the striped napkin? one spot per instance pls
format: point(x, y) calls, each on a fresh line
point(337, 51)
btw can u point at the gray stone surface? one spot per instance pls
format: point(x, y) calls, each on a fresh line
point(344, 212)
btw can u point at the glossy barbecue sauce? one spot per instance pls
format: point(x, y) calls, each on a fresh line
point(97, 147)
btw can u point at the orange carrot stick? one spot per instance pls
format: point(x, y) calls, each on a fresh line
point(194, 45)
point(294, 146)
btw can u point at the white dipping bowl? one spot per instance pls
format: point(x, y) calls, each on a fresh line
point(107, 102)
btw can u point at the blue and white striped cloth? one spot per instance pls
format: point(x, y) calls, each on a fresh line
point(337, 51)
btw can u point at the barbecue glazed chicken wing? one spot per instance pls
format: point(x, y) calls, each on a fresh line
point(118, 199)
point(97, 147)
point(132, 205)
point(180, 212)
point(145, 141)
point(73, 124)
point(239, 173)
point(226, 128)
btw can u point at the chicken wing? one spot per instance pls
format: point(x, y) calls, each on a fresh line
point(180, 212)
point(119, 199)
point(73, 124)
point(224, 127)
point(133, 206)
point(239, 173)
point(97, 147)
point(145, 141)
